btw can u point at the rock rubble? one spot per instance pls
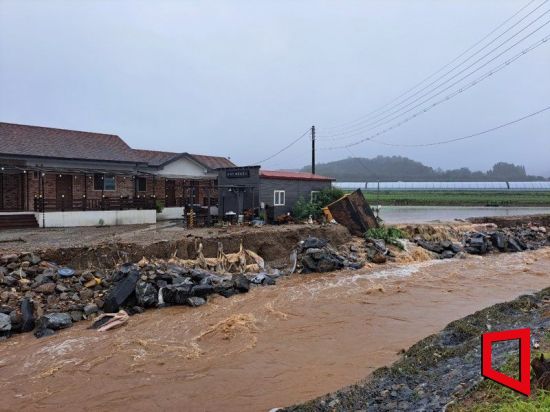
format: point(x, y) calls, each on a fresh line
point(42, 296)
point(506, 240)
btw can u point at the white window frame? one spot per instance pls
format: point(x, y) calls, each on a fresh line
point(279, 198)
point(312, 195)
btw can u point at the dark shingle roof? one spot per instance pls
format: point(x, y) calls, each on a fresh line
point(158, 158)
point(17, 139)
point(36, 141)
point(155, 157)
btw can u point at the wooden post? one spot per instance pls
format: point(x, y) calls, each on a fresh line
point(103, 192)
point(2, 190)
point(38, 195)
point(28, 206)
point(22, 188)
point(85, 200)
point(43, 200)
point(208, 216)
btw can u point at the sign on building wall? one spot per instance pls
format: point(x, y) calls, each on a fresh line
point(237, 173)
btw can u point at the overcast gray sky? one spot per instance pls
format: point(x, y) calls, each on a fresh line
point(244, 78)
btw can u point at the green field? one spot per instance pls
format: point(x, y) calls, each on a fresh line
point(458, 198)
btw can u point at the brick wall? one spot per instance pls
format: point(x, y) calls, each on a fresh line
point(124, 186)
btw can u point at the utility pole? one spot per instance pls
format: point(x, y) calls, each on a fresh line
point(313, 149)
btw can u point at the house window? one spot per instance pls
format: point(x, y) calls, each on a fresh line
point(314, 195)
point(141, 184)
point(104, 182)
point(279, 198)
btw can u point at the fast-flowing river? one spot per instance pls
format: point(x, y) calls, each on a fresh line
point(274, 346)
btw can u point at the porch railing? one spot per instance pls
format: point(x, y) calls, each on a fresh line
point(106, 203)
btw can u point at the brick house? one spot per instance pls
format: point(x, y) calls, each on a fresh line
point(74, 178)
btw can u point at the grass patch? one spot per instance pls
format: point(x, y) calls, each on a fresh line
point(388, 234)
point(491, 396)
point(458, 198)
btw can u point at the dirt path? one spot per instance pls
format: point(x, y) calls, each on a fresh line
point(275, 346)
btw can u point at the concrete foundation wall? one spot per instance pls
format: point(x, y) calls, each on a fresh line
point(169, 213)
point(92, 218)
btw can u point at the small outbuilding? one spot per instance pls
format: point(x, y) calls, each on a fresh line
point(248, 190)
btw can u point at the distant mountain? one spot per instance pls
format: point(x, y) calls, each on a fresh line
point(398, 168)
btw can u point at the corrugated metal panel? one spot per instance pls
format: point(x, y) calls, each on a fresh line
point(494, 186)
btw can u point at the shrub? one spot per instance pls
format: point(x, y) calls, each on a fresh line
point(303, 208)
point(388, 234)
point(159, 206)
point(327, 196)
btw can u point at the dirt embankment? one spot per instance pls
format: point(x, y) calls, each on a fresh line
point(510, 221)
point(273, 244)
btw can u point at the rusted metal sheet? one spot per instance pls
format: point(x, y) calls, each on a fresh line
point(353, 212)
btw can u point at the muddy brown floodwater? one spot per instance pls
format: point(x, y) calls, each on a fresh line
point(274, 346)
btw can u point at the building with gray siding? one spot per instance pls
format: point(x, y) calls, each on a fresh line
point(276, 192)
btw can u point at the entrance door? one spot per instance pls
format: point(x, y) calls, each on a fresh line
point(64, 192)
point(11, 192)
point(170, 193)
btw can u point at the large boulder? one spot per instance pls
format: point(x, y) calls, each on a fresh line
point(314, 243)
point(375, 256)
point(514, 245)
point(176, 294)
point(121, 292)
point(499, 241)
point(241, 283)
point(329, 263)
point(5, 322)
point(195, 301)
point(202, 290)
point(146, 294)
point(28, 320)
point(431, 246)
point(55, 321)
point(476, 244)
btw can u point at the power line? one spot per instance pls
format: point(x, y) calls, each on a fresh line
point(440, 69)
point(446, 98)
point(284, 148)
point(456, 139)
point(379, 122)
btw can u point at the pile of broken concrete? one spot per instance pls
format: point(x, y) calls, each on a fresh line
point(317, 255)
point(42, 296)
point(505, 240)
point(444, 249)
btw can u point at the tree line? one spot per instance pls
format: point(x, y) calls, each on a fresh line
point(399, 168)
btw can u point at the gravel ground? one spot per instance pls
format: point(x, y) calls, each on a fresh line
point(436, 370)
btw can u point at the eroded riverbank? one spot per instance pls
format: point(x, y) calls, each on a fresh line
point(277, 346)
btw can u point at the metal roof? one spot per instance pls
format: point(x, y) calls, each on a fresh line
point(278, 174)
